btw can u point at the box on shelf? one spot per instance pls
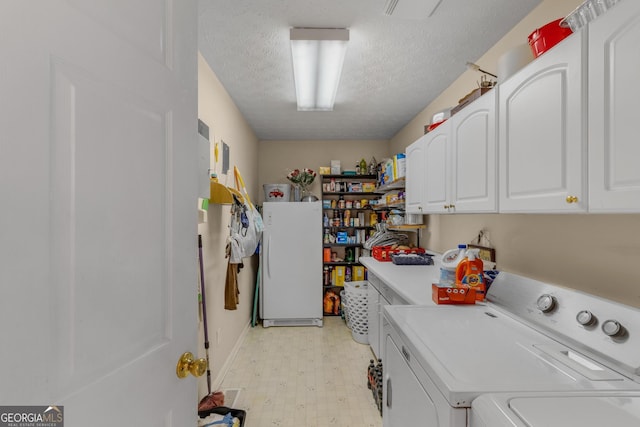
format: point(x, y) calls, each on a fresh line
point(400, 163)
point(469, 98)
point(338, 275)
point(335, 167)
point(358, 273)
point(392, 197)
point(324, 170)
point(355, 187)
point(387, 171)
point(368, 187)
point(452, 295)
point(342, 237)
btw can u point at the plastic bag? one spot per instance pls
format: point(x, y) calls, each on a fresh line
point(246, 225)
point(244, 236)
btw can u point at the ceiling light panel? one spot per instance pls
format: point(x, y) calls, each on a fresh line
point(318, 55)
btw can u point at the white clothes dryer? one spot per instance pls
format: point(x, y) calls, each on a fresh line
point(529, 337)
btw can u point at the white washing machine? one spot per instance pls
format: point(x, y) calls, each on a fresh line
point(556, 410)
point(529, 337)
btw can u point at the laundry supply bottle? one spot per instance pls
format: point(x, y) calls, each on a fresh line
point(470, 273)
point(450, 261)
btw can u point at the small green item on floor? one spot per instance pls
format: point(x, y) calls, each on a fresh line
point(205, 204)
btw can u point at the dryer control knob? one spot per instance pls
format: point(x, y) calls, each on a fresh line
point(546, 303)
point(612, 328)
point(586, 318)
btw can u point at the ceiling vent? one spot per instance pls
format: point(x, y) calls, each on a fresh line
point(411, 9)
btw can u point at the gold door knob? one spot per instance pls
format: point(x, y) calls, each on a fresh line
point(572, 199)
point(188, 363)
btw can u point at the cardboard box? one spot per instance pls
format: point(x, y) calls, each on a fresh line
point(358, 273)
point(452, 295)
point(401, 165)
point(335, 167)
point(368, 187)
point(324, 170)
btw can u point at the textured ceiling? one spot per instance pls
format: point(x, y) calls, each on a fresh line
point(394, 66)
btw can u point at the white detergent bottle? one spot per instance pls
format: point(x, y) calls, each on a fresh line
point(450, 261)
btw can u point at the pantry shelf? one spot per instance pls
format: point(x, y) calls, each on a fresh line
point(348, 216)
point(407, 227)
point(398, 184)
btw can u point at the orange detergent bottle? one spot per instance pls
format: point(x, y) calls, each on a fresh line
point(470, 273)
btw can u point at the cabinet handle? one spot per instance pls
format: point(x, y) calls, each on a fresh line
point(572, 199)
point(389, 392)
point(406, 354)
point(452, 206)
point(447, 206)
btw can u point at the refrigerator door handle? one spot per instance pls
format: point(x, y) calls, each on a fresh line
point(268, 252)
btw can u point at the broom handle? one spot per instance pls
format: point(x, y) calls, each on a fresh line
point(204, 312)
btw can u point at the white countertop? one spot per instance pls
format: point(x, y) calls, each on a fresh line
point(410, 282)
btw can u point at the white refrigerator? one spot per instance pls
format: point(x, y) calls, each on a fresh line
point(291, 287)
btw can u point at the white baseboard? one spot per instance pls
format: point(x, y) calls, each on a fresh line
point(232, 356)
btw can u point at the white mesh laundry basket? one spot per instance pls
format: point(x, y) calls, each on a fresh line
point(345, 308)
point(356, 303)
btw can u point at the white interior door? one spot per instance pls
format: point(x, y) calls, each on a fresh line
point(98, 153)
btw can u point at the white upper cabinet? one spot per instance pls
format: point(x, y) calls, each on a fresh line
point(437, 151)
point(542, 145)
point(473, 161)
point(460, 159)
point(414, 184)
point(566, 133)
point(614, 91)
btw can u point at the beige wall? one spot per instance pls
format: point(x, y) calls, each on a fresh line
point(278, 158)
point(226, 123)
point(593, 253)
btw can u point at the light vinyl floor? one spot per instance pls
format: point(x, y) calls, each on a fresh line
point(303, 377)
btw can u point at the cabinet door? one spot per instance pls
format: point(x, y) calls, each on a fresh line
point(406, 403)
point(414, 184)
point(614, 68)
point(542, 144)
point(437, 153)
point(473, 168)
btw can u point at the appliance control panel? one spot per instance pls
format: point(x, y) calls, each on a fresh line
point(586, 318)
point(606, 329)
point(546, 303)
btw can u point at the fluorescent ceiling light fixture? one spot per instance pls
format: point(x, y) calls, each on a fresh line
point(318, 54)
